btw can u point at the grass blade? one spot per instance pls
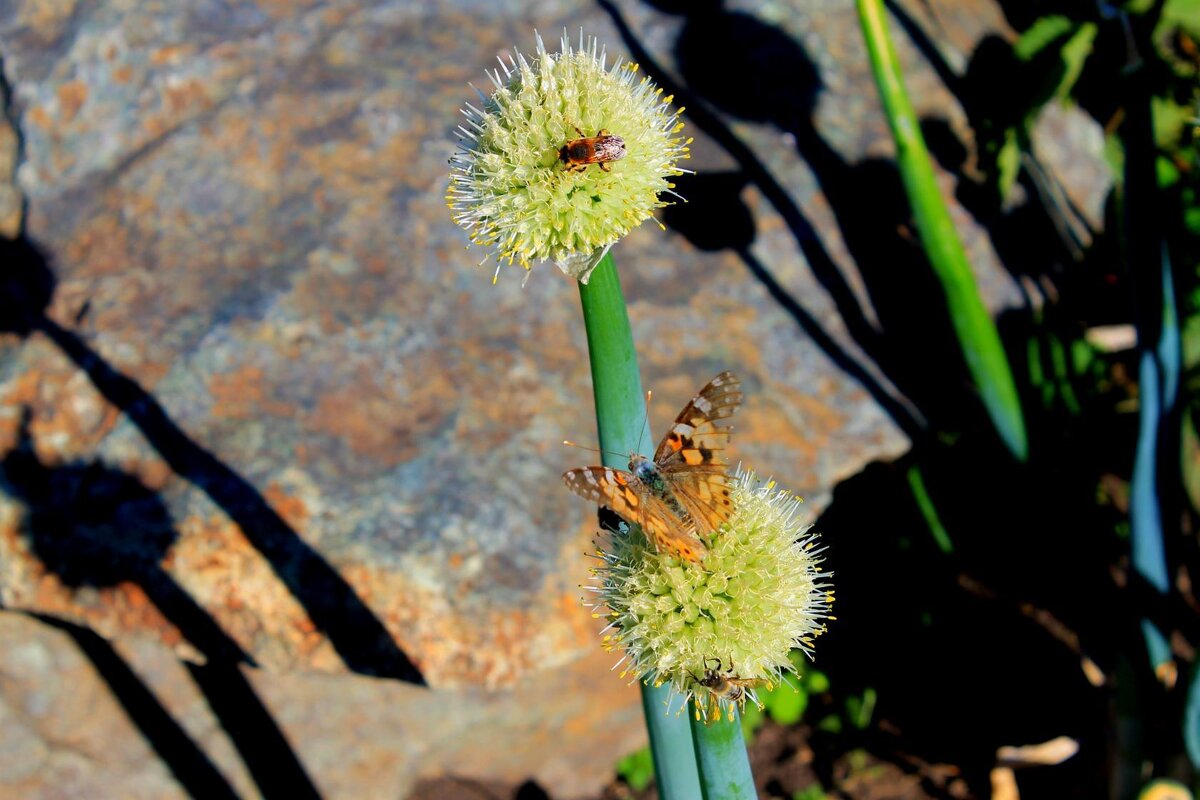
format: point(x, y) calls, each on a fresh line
point(973, 325)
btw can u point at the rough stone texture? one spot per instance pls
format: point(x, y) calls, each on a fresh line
point(348, 437)
point(10, 195)
point(65, 735)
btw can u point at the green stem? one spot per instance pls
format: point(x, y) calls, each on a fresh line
point(916, 483)
point(621, 419)
point(973, 325)
point(721, 756)
point(1155, 476)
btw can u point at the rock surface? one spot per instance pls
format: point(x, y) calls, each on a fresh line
point(262, 408)
point(67, 733)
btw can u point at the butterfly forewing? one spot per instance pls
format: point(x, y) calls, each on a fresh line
point(606, 486)
point(702, 430)
point(691, 455)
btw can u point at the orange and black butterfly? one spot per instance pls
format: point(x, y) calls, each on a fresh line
point(685, 491)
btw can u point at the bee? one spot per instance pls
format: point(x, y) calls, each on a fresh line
point(598, 149)
point(725, 686)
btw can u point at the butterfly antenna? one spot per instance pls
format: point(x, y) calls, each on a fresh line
point(593, 449)
point(645, 421)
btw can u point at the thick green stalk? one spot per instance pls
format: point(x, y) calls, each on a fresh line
point(721, 756)
point(621, 419)
point(976, 332)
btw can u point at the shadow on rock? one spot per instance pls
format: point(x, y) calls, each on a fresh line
point(716, 218)
point(743, 66)
point(335, 609)
point(764, 75)
point(198, 776)
point(709, 231)
point(96, 526)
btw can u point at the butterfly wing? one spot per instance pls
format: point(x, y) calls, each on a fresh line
point(702, 429)
point(691, 455)
point(625, 495)
point(605, 486)
point(706, 496)
point(669, 533)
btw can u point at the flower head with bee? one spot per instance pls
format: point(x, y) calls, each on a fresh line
point(563, 158)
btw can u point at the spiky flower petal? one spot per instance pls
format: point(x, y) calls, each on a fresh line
point(515, 196)
point(729, 621)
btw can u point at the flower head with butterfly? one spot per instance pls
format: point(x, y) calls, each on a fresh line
point(710, 581)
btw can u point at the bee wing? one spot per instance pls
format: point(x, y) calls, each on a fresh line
point(624, 494)
point(702, 430)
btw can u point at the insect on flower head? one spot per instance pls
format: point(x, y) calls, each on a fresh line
point(515, 182)
point(717, 631)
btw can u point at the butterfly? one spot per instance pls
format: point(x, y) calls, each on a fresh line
point(685, 490)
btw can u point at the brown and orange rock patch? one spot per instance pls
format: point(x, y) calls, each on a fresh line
point(244, 393)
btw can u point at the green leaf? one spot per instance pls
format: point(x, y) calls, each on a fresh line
point(1044, 32)
point(1057, 35)
point(1182, 13)
point(816, 681)
point(1074, 55)
point(925, 504)
point(1008, 163)
point(1191, 220)
point(978, 339)
point(1083, 356)
point(1190, 456)
point(1166, 172)
point(860, 710)
point(814, 792)
point(1171, 119)
point(830, 724)
point(1114, 154)
point(637, 769)
point(786, 702)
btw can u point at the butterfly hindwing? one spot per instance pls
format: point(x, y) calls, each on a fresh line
point(705, 495)
point(624, 494)
point(664, 528)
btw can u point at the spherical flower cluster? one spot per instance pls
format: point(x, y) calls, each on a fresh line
point(515, 195)
point(717, 629)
